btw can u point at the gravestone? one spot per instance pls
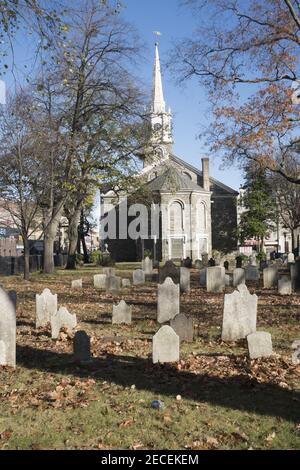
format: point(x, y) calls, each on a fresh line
point(270, 277)
point(77, 284)
point(239, 314)
point(165, 345)
point(168, 301)
point(113, 285)
point(238, 277)
point(169, 270)
point(185, 279)
point(82, 347)
point(252, 259)
point(7, 330)
point(251, 273)
point(203, 277)
point(284, 285)
point(296, 352)
point(211, 262)
point(291, 258)
point(46, 306)
point(62, 318)
point(121, 313)
point(215, 279)
point(100, 281)
point(228, 280)
point(187, 263)
point(198, 264)
point(295, 275)
point(147, 265)
point(259, 345)
point(109, 271)
point(138, 277)
point(183, 327)
point(126, 283)
point(204, 257)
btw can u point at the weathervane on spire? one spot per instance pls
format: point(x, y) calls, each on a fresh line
point(157, 33)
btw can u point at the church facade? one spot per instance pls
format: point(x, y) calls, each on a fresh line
point(196, 212)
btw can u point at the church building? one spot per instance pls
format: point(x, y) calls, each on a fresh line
point(197, 212)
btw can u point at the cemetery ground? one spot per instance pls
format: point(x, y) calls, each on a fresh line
point(215, 397)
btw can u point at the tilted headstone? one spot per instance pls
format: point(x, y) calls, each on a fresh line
point(203, 277)
point(165, 345)
point(62, 318)
point(252, 273)
point(270, 277)
point(284, 285)
point(185, 279)
point(122, 313)
point(109, 271)
point(259, 345)
point(239, 314)
point(296, 352)
point(126, 283)
point(77, 284)
point(113, 285)
point(82, 346)
point(198, 264)
point(7, 330)
point(147, 265)
point(168, 301)
point(46, 305)
point(291, 258)
point(138, 277)
point(183, 327)
point(215, 279)
point(169, 270)
point(238, 277)
point(100, 281)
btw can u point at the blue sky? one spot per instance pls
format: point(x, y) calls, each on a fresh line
point(189, 104)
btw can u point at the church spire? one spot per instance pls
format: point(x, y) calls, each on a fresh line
point(158, 104)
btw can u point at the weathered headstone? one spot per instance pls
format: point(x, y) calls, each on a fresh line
point(204, 257)
point(215, 279)
point(187, 263)
point(284, 285)
point(7, 330)
point(62, 318)
point(147, 265)
point(138, 277)
point(252, 273)
point(238, 277)
point(121, 313)
point(259, 344)
point(100, 281)
point(198, 264)
point(46, 305)
point(169, 270)
point(77, 284)
point(168, 301)
point(126, 283)
point(203, 277)
point(183, 327)
point(82, 347)
point(165, 345)
point(228, 280)
point(296, 352)
point(270, 277)
point(185, 277)
point(291, 258)
point(239, 314)
point(252, 259)
point(113, 285)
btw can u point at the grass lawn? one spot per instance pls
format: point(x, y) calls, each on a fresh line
point(227, 401)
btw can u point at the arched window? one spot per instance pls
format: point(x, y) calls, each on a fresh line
point(202, 217)
point(176, 217)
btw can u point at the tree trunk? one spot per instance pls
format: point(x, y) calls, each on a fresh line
point(51, 226)
point(73, 239)
point(26, 258)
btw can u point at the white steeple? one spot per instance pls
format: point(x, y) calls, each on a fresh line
point(161, 121)
point(158, 104)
